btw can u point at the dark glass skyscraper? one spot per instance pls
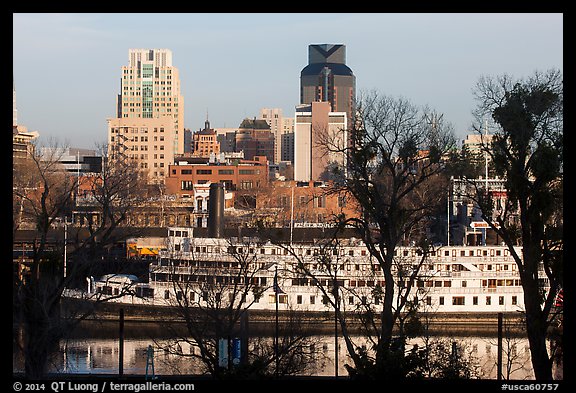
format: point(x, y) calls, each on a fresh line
point(328, 78)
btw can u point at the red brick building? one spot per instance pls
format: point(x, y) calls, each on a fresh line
point(239, 176)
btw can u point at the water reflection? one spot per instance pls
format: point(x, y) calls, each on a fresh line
point(101, 356)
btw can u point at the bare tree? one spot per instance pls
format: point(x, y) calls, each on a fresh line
point(528, 152)
point(47, 199)
point(393, 169)
point(213, 298)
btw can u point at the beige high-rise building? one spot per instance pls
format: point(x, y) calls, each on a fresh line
point(150, 99)
point(147, 141)
point(280, 126)
point(319, 140)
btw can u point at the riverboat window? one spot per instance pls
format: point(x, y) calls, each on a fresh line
point(282, 299)
point(350, 299)
point(489, 267)
point(363, 253)
point(462, 253)
point(312, 299)
point(262, 251)
point(464, 283)
point(501, 300)
point(441, 300)
point(488, 300)
point(106, 290)
point(514, 300)
point(351, 253)
point(447, 283)
point(491, 252)
point(498, 253)
point(485, 253)
point(437, 284)
point(428, 300)
point(166, 294)
point(458, 300)
point(446, 253)
point(475, 300)
point(299, 299)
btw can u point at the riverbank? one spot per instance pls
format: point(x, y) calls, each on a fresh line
point(262, 322)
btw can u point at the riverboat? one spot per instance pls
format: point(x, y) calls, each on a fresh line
point(263, 275)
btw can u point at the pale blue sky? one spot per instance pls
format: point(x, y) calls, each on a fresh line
point(67, 66)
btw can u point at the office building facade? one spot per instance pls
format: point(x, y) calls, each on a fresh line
point(318, 135)
point(150, 92)
point(328, 78)
point(282, 127)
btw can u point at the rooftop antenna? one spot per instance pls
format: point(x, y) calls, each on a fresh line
point(207, 122)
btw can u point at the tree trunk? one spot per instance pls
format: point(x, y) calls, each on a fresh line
point(536, 327)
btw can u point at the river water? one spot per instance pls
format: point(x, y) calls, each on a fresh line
point(96, 350)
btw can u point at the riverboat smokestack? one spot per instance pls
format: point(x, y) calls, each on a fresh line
point(216, 210)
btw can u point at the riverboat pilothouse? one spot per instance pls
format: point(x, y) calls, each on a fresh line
point(453, 279)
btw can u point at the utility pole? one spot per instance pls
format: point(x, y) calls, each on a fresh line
point(499, 371)
point(65, 243)
point(336, 308)
point(121, 345)
point(276, 331)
